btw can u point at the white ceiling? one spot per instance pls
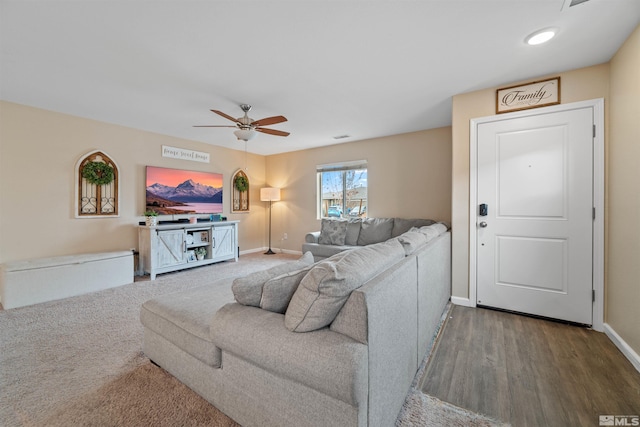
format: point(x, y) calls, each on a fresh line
point(362, 68)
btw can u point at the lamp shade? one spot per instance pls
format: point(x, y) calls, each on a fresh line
point(269, 194)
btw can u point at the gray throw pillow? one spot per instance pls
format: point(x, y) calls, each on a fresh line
point(375, 230)
point(433, 231)
point(332, 232)
point(328, 284)
point(402, 225)
point(412, 240)
point(247, 290)
point(277, 292)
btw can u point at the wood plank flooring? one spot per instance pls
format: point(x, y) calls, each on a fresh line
point(530, 372)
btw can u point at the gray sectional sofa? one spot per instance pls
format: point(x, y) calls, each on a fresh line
point(333, 343)
point(337, 235)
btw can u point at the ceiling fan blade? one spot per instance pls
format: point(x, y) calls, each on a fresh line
point(226, 116)
point(269, 121)
point(213, 126)
point(272, 131)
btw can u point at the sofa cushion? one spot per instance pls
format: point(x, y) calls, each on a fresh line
point(332, 232)
point(325, 361)
point(402, 225)
point(183, 318)
point(353, 231)
point(412, 240)
point(375, 230)
point(277, 292)
point(327, 286)
point(247, 290)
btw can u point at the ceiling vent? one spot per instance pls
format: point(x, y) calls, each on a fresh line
point(570, 3)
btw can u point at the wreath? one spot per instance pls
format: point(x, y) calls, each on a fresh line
point(241, 182)
point(97, 173)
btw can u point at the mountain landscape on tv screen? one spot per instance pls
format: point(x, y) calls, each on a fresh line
point(161, 198)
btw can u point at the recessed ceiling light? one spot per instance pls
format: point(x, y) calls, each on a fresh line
point(541, 36)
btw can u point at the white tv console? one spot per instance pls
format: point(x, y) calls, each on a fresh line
point(171, 247)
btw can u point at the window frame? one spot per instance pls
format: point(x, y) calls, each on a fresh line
point(342, 167)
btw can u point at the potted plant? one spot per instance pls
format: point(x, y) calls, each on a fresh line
point(151, 218)
point(201, 252)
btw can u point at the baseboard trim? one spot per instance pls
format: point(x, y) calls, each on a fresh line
point(462, 301)
point(622, 345)
point(290, 251)
point(276, 250)
point(250, 251)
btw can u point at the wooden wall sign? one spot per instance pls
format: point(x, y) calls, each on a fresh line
point(531, 95)
point(181, 153)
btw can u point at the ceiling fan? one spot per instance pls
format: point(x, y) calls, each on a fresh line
point(247, 127)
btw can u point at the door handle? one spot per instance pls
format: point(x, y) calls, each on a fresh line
point(483, 224)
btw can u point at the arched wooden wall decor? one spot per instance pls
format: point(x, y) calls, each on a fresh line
point(239, 192)
point(97, 185)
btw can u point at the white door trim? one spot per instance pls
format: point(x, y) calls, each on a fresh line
point(598, 196)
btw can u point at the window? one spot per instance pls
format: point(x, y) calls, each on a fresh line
point(342, 190)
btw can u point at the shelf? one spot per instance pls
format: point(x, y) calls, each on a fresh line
point(197, 245)
point(168, 248)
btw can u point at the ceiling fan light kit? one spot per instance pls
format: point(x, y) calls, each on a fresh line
point(247, 127)
point(245, 134)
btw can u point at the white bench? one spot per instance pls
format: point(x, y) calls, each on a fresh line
point(47, 279)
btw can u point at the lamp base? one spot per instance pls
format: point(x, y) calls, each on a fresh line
point(269, 252)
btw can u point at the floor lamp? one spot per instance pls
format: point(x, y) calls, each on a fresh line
point(269, 194)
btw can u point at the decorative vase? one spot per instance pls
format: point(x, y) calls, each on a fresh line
point(200, 257)
point(152, 221)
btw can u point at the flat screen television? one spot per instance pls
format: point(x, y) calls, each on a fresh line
point(177, 191)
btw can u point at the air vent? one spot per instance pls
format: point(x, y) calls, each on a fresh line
point(570, 3)
point(576, 2)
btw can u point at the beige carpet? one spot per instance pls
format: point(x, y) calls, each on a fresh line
point(78, 362)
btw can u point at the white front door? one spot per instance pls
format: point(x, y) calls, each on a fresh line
point(535, 240)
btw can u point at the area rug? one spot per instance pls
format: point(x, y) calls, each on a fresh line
point(145, 396)
point(79, 362)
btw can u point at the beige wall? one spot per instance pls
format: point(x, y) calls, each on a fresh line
point(623, 187)
point(409, 176)
point(38, 153)
point(39, 150)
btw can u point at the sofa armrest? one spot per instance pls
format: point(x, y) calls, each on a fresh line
point(392, 323)
point(312, 237)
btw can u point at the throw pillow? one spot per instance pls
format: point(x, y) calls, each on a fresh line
point(412, 240)
point(277, 292)
point(247, 290)
point(402, 225)
point(332, 232)
point(434, 230)
point(375, 230)
point(328, 284)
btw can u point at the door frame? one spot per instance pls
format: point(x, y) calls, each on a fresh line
point(597, 105)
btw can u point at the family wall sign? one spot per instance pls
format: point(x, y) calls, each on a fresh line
point(531, 95)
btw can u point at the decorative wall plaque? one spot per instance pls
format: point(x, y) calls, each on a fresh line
point(531, 95)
